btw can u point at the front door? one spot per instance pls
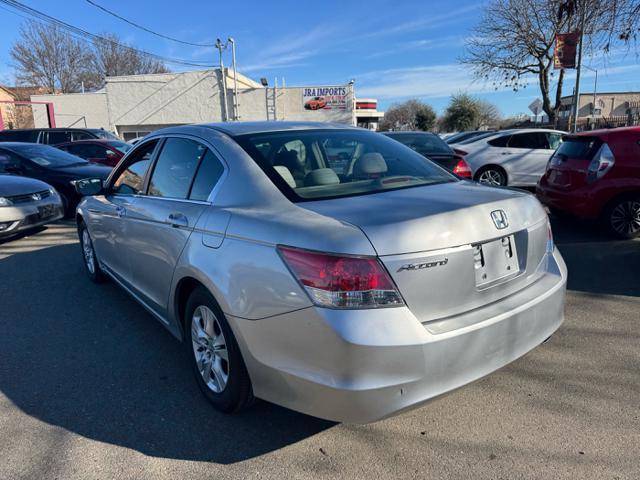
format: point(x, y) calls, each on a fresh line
point(110, 218)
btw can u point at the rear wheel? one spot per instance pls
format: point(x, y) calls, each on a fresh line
point(91, 264)
point(622, 217)
point(214, 354)
point(493, 176)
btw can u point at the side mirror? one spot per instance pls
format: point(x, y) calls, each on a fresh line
point(89, 186)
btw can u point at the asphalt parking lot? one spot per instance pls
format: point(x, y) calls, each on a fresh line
point(91, 386)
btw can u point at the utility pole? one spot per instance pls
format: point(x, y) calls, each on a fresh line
point(235, 78)
point(221, 47)
point(576, 98)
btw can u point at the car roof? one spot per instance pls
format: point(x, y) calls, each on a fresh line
point(608, 131)
point(408, 132)
point(242, 128)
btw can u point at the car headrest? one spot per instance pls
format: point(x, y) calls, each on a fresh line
point(321, 176)
point(286, 175)
point(369, 165)
point(289, 159)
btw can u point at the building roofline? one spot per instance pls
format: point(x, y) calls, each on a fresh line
point(585, 94)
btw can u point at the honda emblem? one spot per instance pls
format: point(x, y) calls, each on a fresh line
point(500, 219)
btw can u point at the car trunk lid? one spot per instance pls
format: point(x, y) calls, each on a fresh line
point(429, 239)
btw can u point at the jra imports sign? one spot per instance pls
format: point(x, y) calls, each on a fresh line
point(328, 98)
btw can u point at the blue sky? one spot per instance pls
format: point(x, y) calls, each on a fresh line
point(393, 49)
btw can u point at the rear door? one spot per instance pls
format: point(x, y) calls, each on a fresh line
point(177, 195)
point(527, 157)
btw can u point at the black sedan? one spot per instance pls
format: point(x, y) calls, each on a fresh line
point(435, 149)
point(50, 165)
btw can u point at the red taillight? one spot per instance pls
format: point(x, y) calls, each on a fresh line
point(460, 152)
point(462, 169)
point(342, 281)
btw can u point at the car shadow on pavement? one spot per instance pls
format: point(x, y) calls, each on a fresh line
point(597, 263)
point(88, 359)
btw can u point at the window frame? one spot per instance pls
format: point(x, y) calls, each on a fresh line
point(115, 174)
point(154, 158)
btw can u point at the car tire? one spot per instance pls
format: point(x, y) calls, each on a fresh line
point(622, 217)
point(214, 354)
point(491, 176)
point(91, 263)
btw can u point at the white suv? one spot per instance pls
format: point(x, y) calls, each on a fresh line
point(510, 157)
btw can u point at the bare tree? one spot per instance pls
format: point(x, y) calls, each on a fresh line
point(513, 43)
point(488, 114)
point(112, 57)
point(47, 56)
point(410, 115)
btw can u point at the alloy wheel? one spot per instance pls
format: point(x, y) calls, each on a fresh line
point(87, 251)
point(491, 177)
point(210, 348)
point(625, 218)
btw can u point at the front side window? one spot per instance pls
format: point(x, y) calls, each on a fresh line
point(370, 163)
point(130, 180)
point(530, 141)
point(175, 168)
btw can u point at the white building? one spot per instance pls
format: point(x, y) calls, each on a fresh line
point(135, 105)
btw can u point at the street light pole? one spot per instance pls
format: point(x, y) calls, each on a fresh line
point(222, 46)
point(576, 99)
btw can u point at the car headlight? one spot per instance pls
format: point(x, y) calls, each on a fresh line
point(5, 202)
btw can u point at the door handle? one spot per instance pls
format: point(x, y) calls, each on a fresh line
point(506, 153)
point(177, 220)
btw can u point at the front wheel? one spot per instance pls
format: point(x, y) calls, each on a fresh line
point(492, 176)
point(215, 356)
point(623, 217)
point(91, 264)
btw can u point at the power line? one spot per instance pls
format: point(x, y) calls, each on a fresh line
point(113, 14)
point(85, 35)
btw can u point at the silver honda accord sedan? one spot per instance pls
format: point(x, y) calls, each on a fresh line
point(324, 268)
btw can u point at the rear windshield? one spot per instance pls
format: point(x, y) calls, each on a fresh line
point(578, 148)
point(323, 164)
point(423, 143)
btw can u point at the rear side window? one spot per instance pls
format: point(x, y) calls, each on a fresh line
point(87, 151)
point(19, 136)
point(579, 148)
point(500, 141)
point(175, 168)
point(209, 173)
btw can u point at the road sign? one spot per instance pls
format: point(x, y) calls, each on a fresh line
point(536, 106)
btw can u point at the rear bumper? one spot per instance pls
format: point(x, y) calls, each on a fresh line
point(577, 202)
point(17, 218)
point(362, 366)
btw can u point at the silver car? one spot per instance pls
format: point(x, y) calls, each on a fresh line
point(26, 203)
point(346, 288)
point(511, 157)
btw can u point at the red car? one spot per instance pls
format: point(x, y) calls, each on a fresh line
point(316, 103)
point(596, 175)
point(105, 152)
